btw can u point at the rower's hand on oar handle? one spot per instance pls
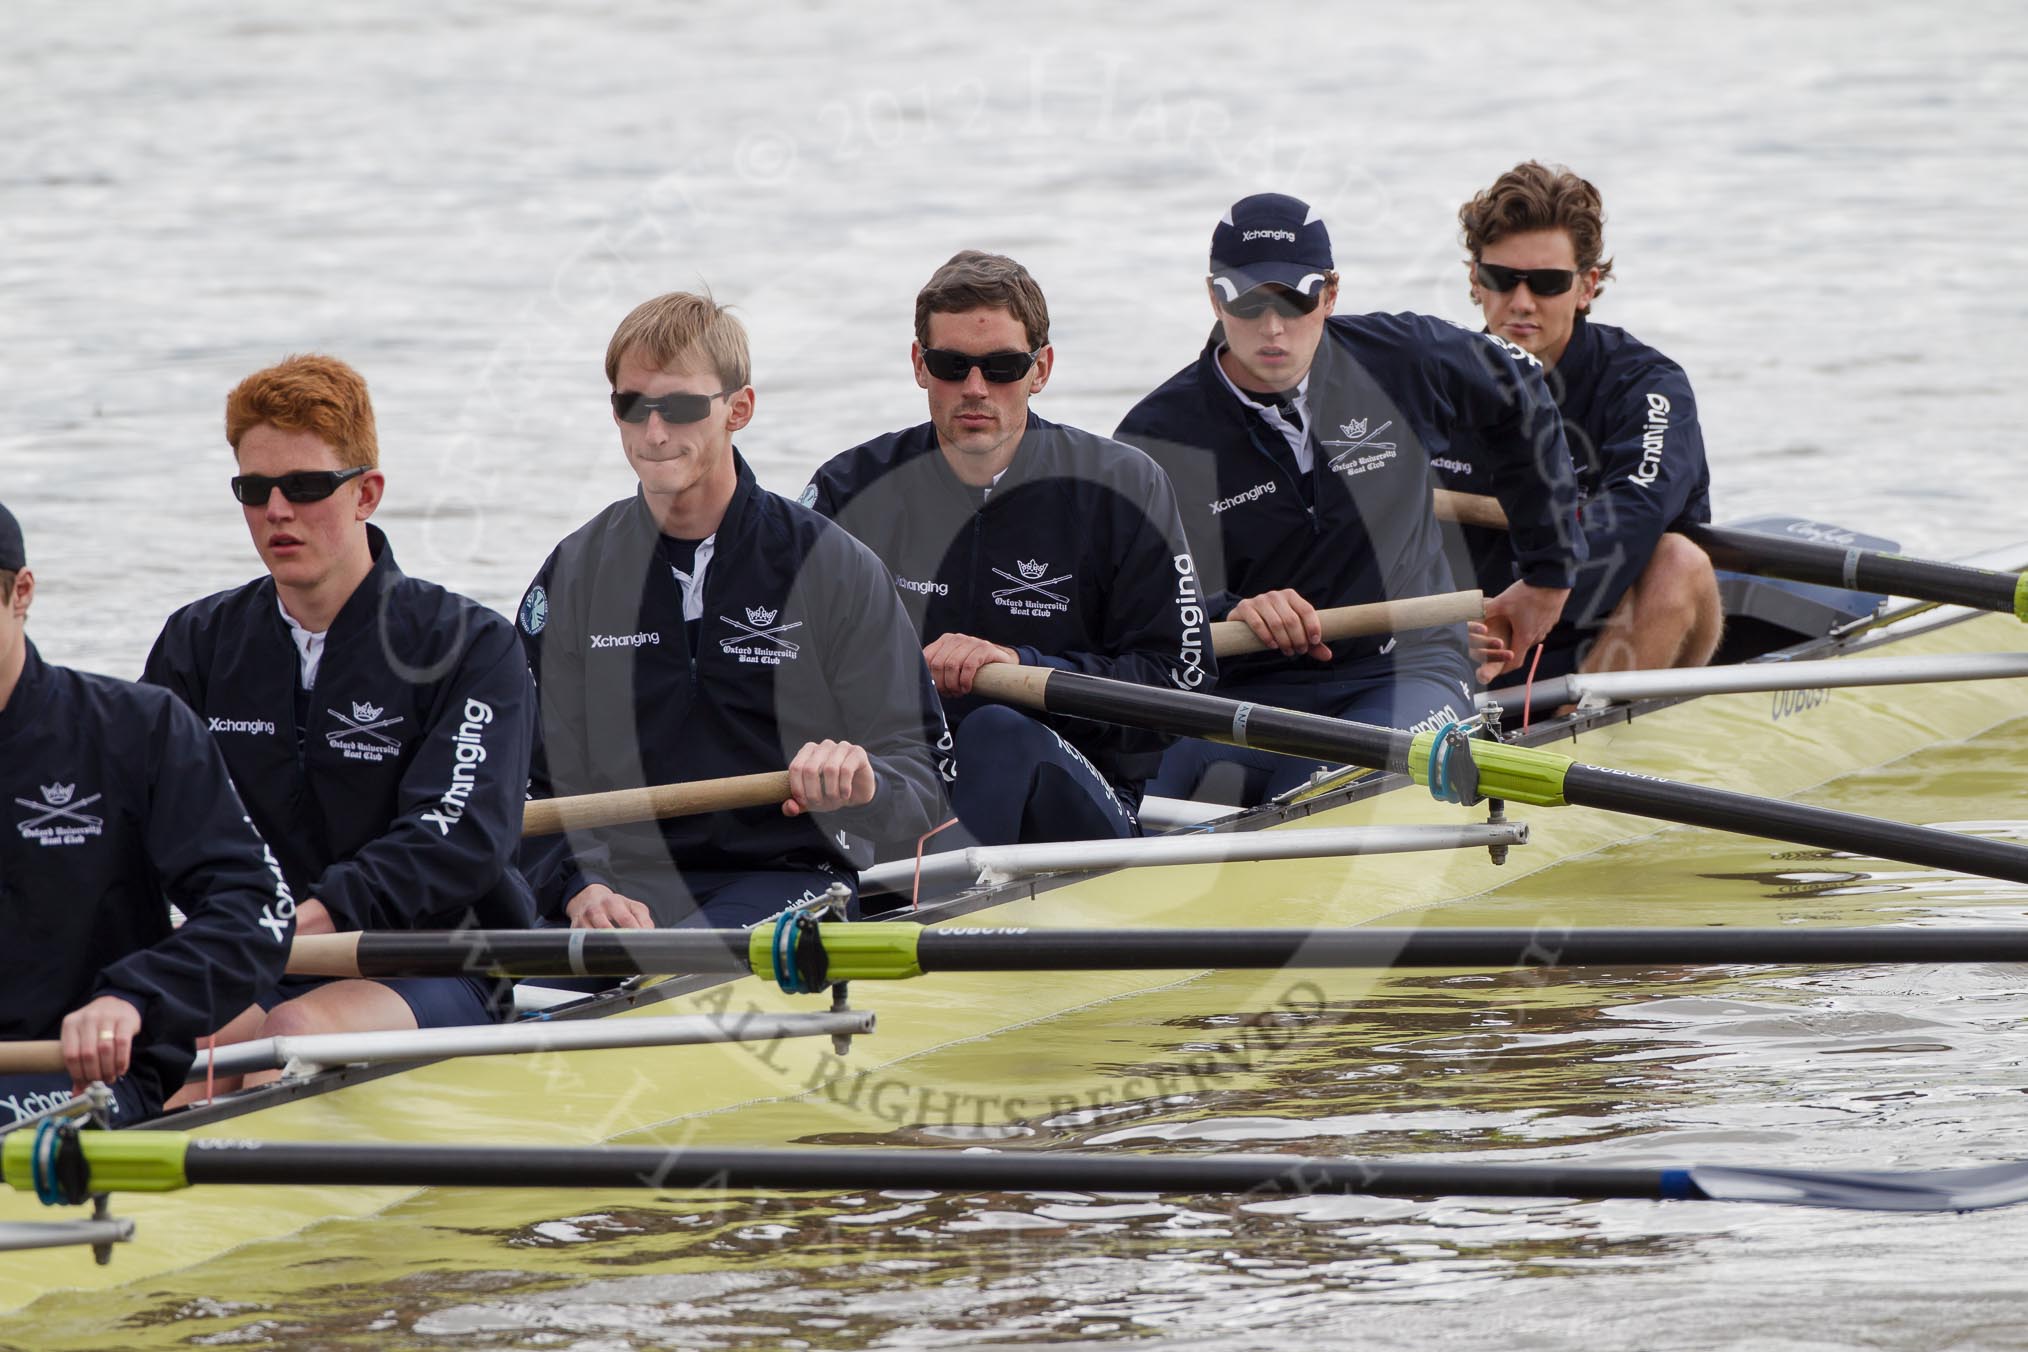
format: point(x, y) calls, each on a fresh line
point(954, 661)
point(1520, 617)
point(98, 1040)
point(1490, 643)
point(1285, 622)
point(828, 775)
point(599, 907)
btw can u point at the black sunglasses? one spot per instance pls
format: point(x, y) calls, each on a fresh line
point(1002, 368)
point(634, 407)
point(1542, 281)
point(1257, 302)
point(303, 485)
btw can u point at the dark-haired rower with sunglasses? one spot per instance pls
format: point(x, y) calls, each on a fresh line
point(377, 726)
point(1015, 539)
point(703, 627)
point(1299, 442)
point(1646, 597)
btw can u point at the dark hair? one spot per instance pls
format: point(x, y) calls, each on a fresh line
point(6, 584)
point(1534, 196)
point(972, 280)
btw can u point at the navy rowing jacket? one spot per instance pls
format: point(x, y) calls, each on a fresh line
point(1387, 394)
point(117, 805)
point(1632, 424)
point(1076, 560)
point(800, 639)
point(400, 808)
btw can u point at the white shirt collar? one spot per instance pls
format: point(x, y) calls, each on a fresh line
point(1298, 440)
point(309, 646)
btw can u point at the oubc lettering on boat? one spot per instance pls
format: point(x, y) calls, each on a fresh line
point(927, 587)
point(60, 818)
point(363, 735)
point(1190, 610)
point(1240, 499)
point(1031, 595)
point(758, 639)
point(640, 640)
point(1654, 432)
point(257, 727)
point(1788, 703)
point(469, 753)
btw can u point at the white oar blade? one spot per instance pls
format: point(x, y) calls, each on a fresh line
point(1923, 1190)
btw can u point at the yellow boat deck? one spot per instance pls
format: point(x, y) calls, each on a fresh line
point(974, 1057)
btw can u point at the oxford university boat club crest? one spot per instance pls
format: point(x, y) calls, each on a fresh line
point(60, 817)
point(363, 734)
point(1032, 594)
point(758, 639)
point(1360, 450)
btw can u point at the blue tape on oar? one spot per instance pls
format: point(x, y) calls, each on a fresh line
point(1440, 753)
point(41, 1159)
point(786, 975)
point(1678, 1186)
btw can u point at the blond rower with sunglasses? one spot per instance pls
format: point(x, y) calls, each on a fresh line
point(377, 726)
point(1300, 444)
point(703, 627)
point(1647, 597)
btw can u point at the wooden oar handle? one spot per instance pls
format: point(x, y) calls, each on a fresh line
point(325, 954)
point(1013, 684)
point(30, 1058)
point(1233, 638)
point(545, 816)
point(1469, 509)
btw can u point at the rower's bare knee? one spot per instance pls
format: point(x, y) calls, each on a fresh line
point(340, 1007)
point(1691, 583)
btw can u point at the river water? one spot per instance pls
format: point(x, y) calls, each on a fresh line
point(1815, 210)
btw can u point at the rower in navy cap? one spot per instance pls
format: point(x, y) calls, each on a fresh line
point(1303, 469)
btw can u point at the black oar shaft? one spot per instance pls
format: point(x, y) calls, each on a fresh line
point(1187, 713)
point(293, 1163)
point(1084, 950)
point(1302, 734)
point(1796, 823)
point(888, 951)
point(1833, 565)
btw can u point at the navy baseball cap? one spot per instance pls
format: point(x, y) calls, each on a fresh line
point(13, 554)
point(1269, 238)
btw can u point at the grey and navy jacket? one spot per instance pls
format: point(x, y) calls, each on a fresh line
point(799, 639)
point(399, 805)
point(1076, 560)
point(1632, 424)
point(118, 805)
point(1387, 396)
